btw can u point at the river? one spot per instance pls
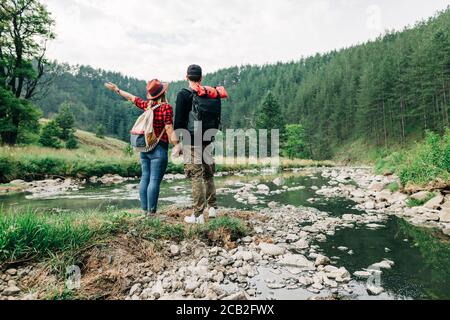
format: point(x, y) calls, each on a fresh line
point(422, 260)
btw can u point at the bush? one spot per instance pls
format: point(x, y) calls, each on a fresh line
point(72, 142)
point(100, 131)
point(50, 135)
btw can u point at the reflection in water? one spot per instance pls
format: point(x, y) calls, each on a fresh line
point(422, 262)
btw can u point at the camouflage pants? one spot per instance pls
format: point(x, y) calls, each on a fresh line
point(200, 168)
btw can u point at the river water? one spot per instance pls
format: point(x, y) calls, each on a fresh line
point(422, 259)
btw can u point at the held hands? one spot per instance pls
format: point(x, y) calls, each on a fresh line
point(177, 151)
point(111, 86)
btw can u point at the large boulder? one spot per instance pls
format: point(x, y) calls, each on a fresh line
point(271, 249)
point(434, 203)
point(420, 196)
point(377, 186)
point(296, 261)
point(444, 216)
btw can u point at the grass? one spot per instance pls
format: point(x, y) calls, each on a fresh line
point(417, 203)
point(394, 187)
point(58, 238)
point(426, 162)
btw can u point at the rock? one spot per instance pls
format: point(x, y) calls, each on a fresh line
point(374, 290)
point(296, 261)
point(263, 188)
point(244, 255)
point(158, 290)
point(370, 205)
point(272, 205)
point(11, 291)
point(362, 274)
point(434, 203)
point(317, 286)
point(342, 248)
point(204, 262)
point(357, 194)
point(271, 249)
point(174, 250)
point(420, 196)
point(290, 238)
point(18, 182)
point(247, 239)
point(278, 181)
point(374, 226)
point(146, 293)
point(135, 289)
point(240, 296)
point(381, 265)
point(330, 269)
point(276, 286)
point(377, 186)
point(321, 260)
point(11, 272)
point(384, 195)
point(191, 285)
point(301, 244)
point(446, 231)
point(348, 217)
point(444, 216)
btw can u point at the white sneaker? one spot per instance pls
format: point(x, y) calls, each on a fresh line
point(191, 219)
point(200, 220)
point(212, 213)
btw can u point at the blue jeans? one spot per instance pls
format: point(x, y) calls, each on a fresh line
point(154, 165)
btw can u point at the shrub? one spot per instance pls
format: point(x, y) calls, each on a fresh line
point(50, 135)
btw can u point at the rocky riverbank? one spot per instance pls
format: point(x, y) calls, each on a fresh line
point(280, 253)
point(371, 193)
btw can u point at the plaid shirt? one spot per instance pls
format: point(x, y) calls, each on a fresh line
point(163, 116)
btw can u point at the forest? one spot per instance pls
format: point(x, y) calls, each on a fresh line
point(383, 93)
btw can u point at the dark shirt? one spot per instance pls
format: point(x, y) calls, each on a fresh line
point(182, 109)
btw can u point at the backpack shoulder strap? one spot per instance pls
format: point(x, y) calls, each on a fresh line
point(156, 107)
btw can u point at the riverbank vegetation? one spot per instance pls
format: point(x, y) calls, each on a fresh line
point(35, 236)
point(426, 162)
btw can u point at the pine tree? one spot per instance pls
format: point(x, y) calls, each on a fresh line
point(295, 146)
point(269, 116)
point(72, 142)
point(100, 131)
point(66, 121)
point(50, 135)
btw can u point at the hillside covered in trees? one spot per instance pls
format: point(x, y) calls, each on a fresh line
point(383, 93)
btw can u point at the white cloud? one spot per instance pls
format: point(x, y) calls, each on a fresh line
point(155, 38)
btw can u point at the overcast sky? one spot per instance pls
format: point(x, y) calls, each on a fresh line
point(160, 38)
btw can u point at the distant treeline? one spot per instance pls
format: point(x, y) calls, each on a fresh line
point(383, 92)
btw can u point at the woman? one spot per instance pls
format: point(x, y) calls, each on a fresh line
point(154, 163)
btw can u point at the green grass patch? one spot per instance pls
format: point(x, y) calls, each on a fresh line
point(32, 234)
point(394, 187)
point(59, 238)
point(426, 162)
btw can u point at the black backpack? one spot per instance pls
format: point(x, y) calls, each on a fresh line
point(207, 110)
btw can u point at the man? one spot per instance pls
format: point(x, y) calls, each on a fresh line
point(197, 152)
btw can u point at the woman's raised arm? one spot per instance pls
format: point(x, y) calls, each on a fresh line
point(111, 86)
